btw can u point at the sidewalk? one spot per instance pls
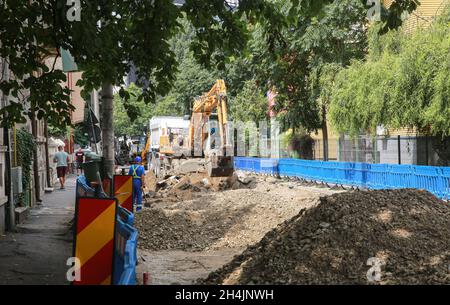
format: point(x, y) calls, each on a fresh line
point(38, 252)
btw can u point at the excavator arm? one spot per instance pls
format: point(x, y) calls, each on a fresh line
point(217, 162)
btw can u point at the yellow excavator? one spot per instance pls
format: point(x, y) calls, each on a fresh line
point(203, 140)
point(215, 147)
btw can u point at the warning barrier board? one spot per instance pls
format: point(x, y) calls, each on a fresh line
point(123, 191)
point(94, 239)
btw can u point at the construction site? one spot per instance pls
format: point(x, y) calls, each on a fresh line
point(212, 145)
point(251, 229)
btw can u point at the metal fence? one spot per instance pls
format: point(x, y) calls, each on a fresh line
point(404, 149)
point(416, 150)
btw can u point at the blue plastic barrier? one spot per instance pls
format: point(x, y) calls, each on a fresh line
point(126, 216)
point(445, 182)
point(429, 178)
point(374, 176)
point(269, 166)
point(125, 258)
point(83, 187)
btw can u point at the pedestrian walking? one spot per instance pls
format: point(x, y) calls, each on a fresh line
point(61, 159)
point(79, 157)
point(138, 173)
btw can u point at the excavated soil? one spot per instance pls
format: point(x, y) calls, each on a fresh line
point(219, 215)
point(346, 237)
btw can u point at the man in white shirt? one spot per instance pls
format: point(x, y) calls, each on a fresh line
point(61, 159)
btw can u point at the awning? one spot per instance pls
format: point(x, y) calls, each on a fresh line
point(68, 61)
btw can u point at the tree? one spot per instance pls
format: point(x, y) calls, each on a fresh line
point(113, 34)
point(249, 104)
point(318, 41)
point(308, 49)
point(135, 32)
point(404, 83)
point(122, 123)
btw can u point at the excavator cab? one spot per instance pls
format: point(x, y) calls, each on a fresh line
point(217, 163)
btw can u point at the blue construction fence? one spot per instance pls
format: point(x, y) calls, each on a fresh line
point(125, 248)
point(373, 176)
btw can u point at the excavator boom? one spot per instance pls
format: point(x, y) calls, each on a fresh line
point(217, 162)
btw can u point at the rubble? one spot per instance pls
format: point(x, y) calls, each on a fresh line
point(214, 220)
point(188, 186)
point(339, 241)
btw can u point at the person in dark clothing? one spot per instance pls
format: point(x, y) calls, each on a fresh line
point(79, 157)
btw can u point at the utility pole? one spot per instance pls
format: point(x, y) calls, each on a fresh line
point(108, 128)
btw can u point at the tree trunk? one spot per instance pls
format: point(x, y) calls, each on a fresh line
point(324, 133)
point(47, 160)
point(107, 129)
point(10, 219)
point(37, 185)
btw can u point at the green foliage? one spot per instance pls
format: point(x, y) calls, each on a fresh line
point(299, 144)
point(404, 83)
point(25, 147)
point(112, 34)
point(55, 131)
point(122, 123)
point(80, 135)
point(313, 44)
point(249, 104)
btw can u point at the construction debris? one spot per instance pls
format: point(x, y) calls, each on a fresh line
point(215, 220)
point(185, 186)
point(360, 237)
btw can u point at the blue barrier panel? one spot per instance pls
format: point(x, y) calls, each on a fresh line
point(286, 167)
point(360, 174)
point(400, 176)
point(83, 188)
point(126, 216)
point(377, 176)
point(125, 258)
point(343, 173)
point(269, 166)
point(429, 178)
point(256, 165)
point(445, 172)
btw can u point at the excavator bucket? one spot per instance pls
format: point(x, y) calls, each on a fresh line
point(220, 166)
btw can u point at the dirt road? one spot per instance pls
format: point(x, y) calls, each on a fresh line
point(192, 230)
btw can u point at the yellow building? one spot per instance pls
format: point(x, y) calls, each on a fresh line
point(424, 15)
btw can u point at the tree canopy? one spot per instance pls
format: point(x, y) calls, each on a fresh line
point(405, 82)
point(112, 34)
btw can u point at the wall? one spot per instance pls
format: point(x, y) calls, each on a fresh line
point(423, 16)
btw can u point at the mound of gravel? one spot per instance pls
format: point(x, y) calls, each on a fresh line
point(367, 237)
point(162, 230)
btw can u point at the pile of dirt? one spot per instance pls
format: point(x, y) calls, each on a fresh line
point(191, 228)
point(185, 186)
point(380, 237)
point(220, 220)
